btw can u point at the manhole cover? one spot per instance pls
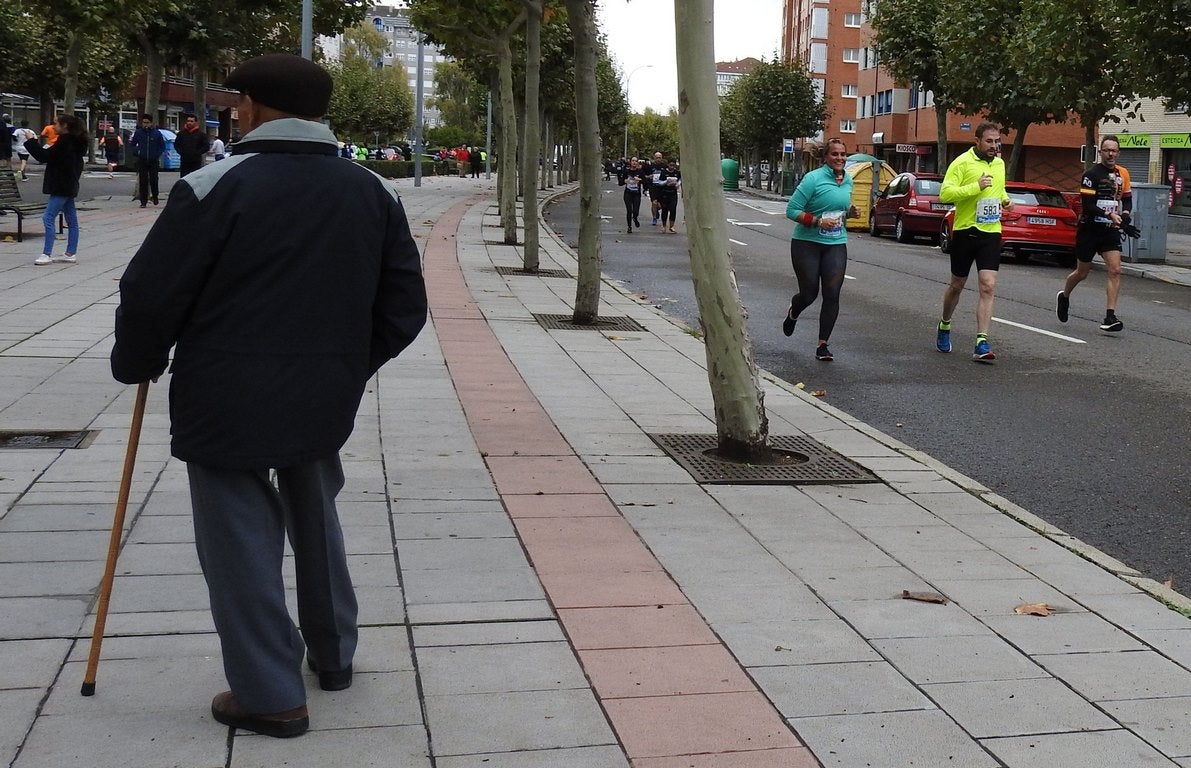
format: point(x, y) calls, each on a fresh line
point(521, 271)
point(22, 440)
point(566, 323)
point(807, 462)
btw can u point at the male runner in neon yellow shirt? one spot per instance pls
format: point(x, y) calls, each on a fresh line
point(975, 182)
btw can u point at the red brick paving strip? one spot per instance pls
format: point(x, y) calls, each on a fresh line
point(674, 694)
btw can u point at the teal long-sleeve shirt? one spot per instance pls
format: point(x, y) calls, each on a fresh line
point(820, 193)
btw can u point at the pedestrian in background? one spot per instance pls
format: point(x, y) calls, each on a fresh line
point(63, 161)
point(975, 183)
point(191, 144)
point(217, 148)
point(632, 179)
point(1106, 205)
point(821, 206)
point(280, 319)
point(19, 137)
point(6, 134)
point(112, 144)
point(148, 145)
point(665, 186)
point(476, 162)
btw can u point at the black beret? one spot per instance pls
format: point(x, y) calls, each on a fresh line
point(284, 82)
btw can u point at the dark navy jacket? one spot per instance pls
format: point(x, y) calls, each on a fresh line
point(286, 277)
point(147, 143)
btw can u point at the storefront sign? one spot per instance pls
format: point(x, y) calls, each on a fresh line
point(965, 126)
point(1176, 141)
point(906, 149)
point(1134, 140)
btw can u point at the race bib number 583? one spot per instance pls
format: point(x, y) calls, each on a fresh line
point(988, 210)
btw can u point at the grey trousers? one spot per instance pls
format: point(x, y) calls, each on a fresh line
point(241, 521)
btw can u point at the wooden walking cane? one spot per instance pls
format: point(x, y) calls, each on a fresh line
point(109, 570)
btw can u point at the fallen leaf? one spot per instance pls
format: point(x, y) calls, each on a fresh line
point(615, 338)
point(900, 424)
point(1033, 609)
point(1169, 583)
point(800, 385)
point(819, 393)
point(924, 597)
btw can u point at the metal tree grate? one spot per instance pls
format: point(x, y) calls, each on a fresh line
point(808, 462)
point(566, 323)
point(25, 439)
point(522, 272)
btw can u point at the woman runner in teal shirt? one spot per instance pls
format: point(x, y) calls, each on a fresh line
point(818, 248)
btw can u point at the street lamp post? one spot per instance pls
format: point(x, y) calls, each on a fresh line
point(628, 80)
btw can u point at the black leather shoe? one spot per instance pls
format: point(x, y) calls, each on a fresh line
point(332, 681)
point(280, 725)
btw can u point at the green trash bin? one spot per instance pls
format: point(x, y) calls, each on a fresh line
point(787, 182)
point(730, 170)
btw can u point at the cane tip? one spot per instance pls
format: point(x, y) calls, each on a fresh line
point(88, 689)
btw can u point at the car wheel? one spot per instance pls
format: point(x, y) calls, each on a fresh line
point(900, 233)
point(872, 224)
point(944, 238)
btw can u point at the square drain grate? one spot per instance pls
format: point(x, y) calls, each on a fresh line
point(808, 462)
point(23, 439)
point(565, 323)
point(520, 271)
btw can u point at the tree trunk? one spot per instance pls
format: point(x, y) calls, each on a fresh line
point(154, 75)
point(74, 51)
point(547, 179)
point(200, 94)
point(544, 147)
point(1019, 145)
point(1089, 139)
point(741, 424)
point(529, 161)
point(941, 137)
point(581, 17)
point(506, 176)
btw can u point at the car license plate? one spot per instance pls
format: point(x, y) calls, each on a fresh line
point(1040, 220)
point(941, 206)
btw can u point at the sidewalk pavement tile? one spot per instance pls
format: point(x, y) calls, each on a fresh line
point(542, 631)
point(49, 579)
point(459, 525)
point(378, 747)
point(635, 627)
point(541, 475)
point(574, 757)
point(98, 738)
point(895, 617)
point(28, 618)
point(610, 590)
point(1017, 707)
point(662, 726)
point(1115, 748)
point(480, 610)
point(999, 597)
point(560, 505)
point(1119, 675)
point(848, 688)
point(594, 545)
point(1161, 722)
point(497, 668)
point(618, 673)
point(924, 739)
point(1062, 633)
point(783, 598)
point(1136, 611)
point(961, 658)
point(773, 642)
point(793, 757)
point(880, 583)
point(516, 720)
point(31, 663)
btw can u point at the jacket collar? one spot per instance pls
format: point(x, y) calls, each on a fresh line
point(288, 129)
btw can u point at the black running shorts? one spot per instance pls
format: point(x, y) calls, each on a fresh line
point(1091, 239)
point(974, 246)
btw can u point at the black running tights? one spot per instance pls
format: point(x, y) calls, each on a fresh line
point(632, 205)
point(817, 264)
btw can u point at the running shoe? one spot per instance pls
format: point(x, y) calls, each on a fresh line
point(943, 338)
point(655, 221)
point(1112, 324)
point(43, 259)
point(823, 354)
point(66, 258)
point(788, 323)
point(983, 352)
point(1063, 304)
point(636, 222)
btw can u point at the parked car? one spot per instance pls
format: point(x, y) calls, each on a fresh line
point(908, 207)
point(1041, 221)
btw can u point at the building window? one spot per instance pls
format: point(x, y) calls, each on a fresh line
point(852, 55)
point(851, 19)
point(819, 58)
point(819, 23)
point(849, 91)
point(868, 58)
point(847, 126)
point(884, 102)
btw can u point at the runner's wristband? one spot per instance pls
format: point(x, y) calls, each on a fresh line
point(806, 219)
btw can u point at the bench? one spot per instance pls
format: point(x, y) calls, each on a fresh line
point(10, 200)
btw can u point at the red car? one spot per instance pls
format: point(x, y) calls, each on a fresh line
point(1040, 221)
point(908, 207)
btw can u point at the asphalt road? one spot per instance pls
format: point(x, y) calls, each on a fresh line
point(1091, 431)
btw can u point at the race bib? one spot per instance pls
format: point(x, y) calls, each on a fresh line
point(632, 184)
point(1108, 207)
point(988, 210)
point(831, 216)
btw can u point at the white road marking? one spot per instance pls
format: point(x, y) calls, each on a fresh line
point(749, 223)
point(849, 277)
point(1039, 330)
point(759, 209)
point(730, 240)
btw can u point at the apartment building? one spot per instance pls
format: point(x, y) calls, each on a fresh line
point(728, 72)
point(825, 36)
point(1156, 147)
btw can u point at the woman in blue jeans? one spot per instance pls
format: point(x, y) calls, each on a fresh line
point(63, 166)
